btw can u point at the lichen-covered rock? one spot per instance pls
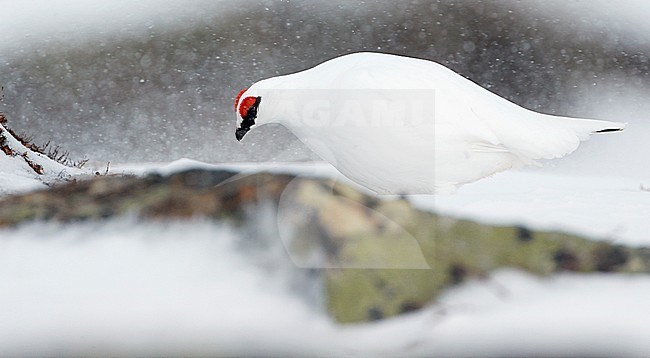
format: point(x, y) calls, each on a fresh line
point(378, 257)
point(375, 246)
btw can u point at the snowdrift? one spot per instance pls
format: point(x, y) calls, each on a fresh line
point(26, 166)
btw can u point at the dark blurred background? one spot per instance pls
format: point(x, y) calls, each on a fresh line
point(150, 91)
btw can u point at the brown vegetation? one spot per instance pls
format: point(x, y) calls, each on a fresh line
point(53, 152)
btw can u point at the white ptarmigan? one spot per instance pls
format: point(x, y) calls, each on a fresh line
point(400, 125)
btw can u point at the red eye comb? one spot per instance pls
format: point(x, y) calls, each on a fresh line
point(246, 104)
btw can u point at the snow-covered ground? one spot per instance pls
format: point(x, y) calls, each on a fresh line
point(15, 178)
point(16, 175)
point(606, 208)
point(125, 288)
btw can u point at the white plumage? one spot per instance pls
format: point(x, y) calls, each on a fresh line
point(452, 131)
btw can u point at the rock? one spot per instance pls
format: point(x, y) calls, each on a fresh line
point(377, 257)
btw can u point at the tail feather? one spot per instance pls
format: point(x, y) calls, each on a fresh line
point(558, 136)
point(584, 128)
point(607, 130)
point(532, 136)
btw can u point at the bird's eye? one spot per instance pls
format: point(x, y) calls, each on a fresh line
point(238, 97)
point(246, 104)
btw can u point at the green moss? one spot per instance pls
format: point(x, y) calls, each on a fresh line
point(357, 295)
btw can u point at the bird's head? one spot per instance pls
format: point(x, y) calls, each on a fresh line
point(247, 105)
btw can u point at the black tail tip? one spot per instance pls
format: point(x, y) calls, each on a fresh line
point(607, 130)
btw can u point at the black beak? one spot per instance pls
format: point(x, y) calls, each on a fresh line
point(240, 133)
point(249, 120)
